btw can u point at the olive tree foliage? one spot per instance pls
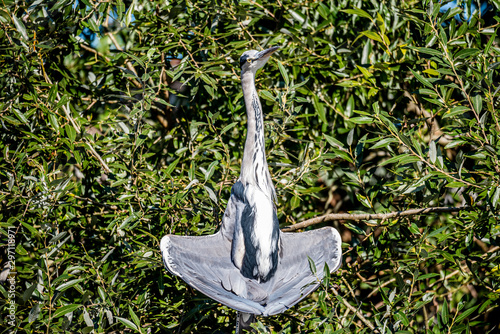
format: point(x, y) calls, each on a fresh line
point(122, 121)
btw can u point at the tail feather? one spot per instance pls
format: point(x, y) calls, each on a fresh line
point(244, 322)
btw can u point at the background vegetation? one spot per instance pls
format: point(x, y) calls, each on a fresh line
point(122, 121)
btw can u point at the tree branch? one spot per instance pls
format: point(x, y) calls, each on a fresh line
point(354, 310)
point(369, 216)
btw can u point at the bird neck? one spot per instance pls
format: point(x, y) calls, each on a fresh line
point(254, 168)
point(255, 119)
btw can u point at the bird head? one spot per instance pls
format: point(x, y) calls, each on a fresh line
point(252, 60)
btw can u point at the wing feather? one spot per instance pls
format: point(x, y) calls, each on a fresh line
point(294, 280)
point(205, 264)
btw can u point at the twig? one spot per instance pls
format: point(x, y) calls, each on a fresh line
point(381, 286)
point(98, 157)
point(129, 65)
point(93, 201)
point(432, 123)
point(354, 310)
point(94, 51)
point(65, 108)
point(369, 216)
point(189, 53)
point(67, 111)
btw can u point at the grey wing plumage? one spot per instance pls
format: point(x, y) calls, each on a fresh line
point(293, 279)
point(205, 264)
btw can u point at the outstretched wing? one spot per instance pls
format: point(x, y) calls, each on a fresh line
point(293, 279)
point(205, 264)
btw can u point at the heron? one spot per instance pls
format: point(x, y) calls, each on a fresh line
point(250, 265)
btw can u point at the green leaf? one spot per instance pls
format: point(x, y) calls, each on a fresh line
point(386, 142)
point(477, 100)
point(312, 266)
point(447, 256)
point(426, 276)
point(436, 232)
point(66, 309)
point(128, 14)
point(171, 167)
point(349, 83)
point(445, 312)
point(29, 292)
point(210, 170)
point(357, 11)
point(361, 120)
point(465, 53)
point(432, 151)
point(490, 43)
point(355, 229)
point(495, 197)
point(283, 73)
point(267, 95)
point(455, 184)
point(295, 202)
point(299, 17)
point(414, 229)
point(228, 127)
point(425, 91)
point(20, 115)
point(320, 108)
point(465, 314)
point(20, 27)
point(403, 319)
point(429, 51)
point(70, 132)
point(134, 317)
point(421, 79)
point(143, 65)
point(69, 284)
point(456, 111)
point(30, 228)
point(34, 313)
point(453, 11)
point(372, 35)
point(210, 90)
point(350, 137)
point(349, 109)
point(127, 323)
point(431, 71)
point(400, 159)
point(364, 200)
point(484, 306)
point(323, 10)
point(455, 143)
point(20, 250)
point(211, 194)
point(102, 294)
point(54, 122)
point(332, 141)
point(408, 159)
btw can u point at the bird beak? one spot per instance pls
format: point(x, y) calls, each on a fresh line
point(266, 53)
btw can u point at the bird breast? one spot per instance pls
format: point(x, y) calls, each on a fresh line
point(263, 225)
point(256, 236)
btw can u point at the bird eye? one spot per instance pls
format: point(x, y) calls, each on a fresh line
point(249, 60)
point(243, 60)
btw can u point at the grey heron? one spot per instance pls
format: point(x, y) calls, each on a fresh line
point(249, 264)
